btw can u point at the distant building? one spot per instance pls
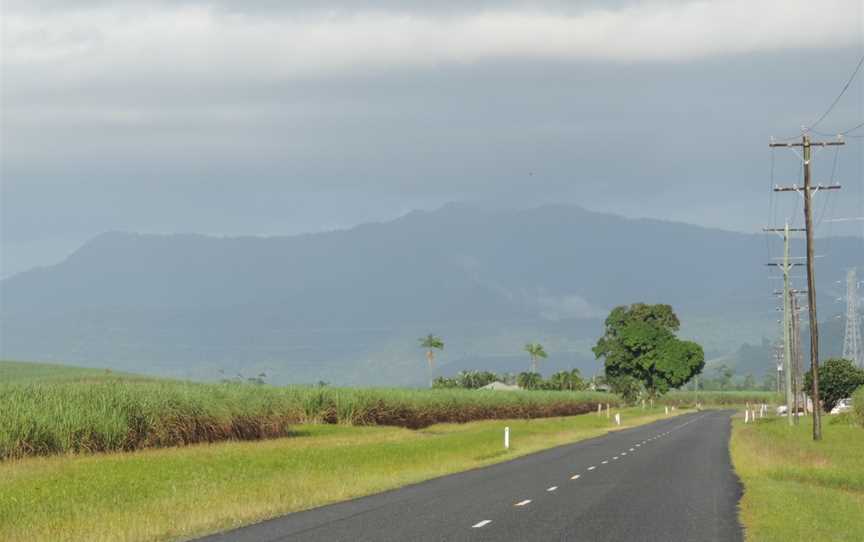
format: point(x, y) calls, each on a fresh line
point(500, 386)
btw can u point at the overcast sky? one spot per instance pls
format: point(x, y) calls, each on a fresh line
point(218, 117)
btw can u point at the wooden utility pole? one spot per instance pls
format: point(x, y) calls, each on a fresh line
point(786, 267)
point(797, 381)
point(808, 189)
point(793, 325)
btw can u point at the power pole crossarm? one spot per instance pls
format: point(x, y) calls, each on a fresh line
point(796, 188)
point(808, 143)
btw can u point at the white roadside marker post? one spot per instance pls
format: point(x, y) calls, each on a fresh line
point(506, 438)
point(667, 410)
point(618, 418)
point(599, 409)
point(607, 410)
point(746, 416)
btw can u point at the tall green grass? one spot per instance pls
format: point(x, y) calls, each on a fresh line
point(114, 415)
point(25, 372)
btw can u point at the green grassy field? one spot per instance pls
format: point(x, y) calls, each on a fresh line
point(797, 489)
point(80, 414)
point(721, 398)
point(22, 372)
point(178, 493)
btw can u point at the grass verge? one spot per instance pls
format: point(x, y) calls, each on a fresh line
point(178, 493)
point(797, 489)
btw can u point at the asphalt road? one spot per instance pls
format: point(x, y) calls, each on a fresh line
point(668, 481)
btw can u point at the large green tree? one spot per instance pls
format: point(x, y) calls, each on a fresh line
point(838, 379)
point(639, 342)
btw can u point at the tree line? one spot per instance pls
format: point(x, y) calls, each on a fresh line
point(642, 357)
point(529, 380)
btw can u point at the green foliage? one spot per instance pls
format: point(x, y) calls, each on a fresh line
point(566, 380)
point(626, 386)
point(858, 405)
point(444, 383)
point(116, 415)
point(560, 381)
point(469, 380)
point(720, 378)
point(529, 380)
point(639, 342)
point(536, 351)
point(431, 342)
point(838, 378)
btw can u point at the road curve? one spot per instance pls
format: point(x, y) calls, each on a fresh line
point(668, 481)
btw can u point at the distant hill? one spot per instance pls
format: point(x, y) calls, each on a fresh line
point(347, 306)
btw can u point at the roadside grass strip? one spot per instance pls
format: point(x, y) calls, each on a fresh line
point(181, 493)
point(797, 489)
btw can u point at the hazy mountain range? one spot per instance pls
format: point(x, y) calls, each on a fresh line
point(348, 306)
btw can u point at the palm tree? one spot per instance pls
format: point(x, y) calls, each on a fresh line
point(535, 350)
point(431, 343)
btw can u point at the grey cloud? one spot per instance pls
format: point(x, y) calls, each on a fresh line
point(277, 7)
point(232, 144)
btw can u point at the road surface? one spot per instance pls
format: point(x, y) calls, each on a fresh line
point(668, 481)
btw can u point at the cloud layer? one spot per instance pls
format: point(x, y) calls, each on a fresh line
point(193, 39)
point(276, 117)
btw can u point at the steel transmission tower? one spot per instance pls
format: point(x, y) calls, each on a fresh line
point(852, 347)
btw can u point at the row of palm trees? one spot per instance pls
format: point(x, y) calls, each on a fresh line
point(431, 343)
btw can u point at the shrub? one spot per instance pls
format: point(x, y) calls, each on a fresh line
point(838, 378)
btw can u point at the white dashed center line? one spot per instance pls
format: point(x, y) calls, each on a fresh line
point(575, 477)
point(551, 489)
point(615, 458)
point(483, 523)
point(604, 462)
point(523, 503)
point(592, 467)
point(623, 453)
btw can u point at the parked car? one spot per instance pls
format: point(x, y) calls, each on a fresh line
point(781, 410)
point(843, 405)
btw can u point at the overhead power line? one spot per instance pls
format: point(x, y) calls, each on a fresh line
point(837, 99)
